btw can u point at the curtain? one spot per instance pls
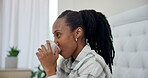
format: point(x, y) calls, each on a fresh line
point(0, 30)
point(25, 24)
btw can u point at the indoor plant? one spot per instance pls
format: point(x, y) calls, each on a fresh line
point(11, 59)
point(39, 73)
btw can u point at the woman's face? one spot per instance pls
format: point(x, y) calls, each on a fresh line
point(64, 37)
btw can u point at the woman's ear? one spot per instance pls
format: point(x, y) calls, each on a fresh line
point(78, 32)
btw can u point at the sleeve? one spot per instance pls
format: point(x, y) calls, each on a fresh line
point(54, 76)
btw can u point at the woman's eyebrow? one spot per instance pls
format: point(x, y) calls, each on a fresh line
point(56, 31)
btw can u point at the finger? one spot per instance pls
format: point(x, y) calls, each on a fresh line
point(43, 48)
point(38, 54)
point(40, 51)
point(48, 45)
point(57, 53)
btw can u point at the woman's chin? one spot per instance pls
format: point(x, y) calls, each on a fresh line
point(64, 55)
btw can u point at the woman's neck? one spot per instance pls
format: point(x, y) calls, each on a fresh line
point(78, 49)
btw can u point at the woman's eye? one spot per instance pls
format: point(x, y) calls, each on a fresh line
point(58, 35)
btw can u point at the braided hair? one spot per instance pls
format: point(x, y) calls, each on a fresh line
point(97, 31)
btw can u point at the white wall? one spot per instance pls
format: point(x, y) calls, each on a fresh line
point(108, 7)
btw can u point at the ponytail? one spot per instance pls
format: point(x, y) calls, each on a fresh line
point(98, 34)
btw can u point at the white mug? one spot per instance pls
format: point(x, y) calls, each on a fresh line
point(53, 46)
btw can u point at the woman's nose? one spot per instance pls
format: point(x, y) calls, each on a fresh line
point(56, 41)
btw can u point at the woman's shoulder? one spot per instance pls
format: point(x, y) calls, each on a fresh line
point(96, 59)
point(94, 65)
point(99, 59)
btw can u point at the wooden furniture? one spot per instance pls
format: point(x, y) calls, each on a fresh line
point(15, 73)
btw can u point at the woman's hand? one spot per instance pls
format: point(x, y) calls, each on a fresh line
point(47, 59)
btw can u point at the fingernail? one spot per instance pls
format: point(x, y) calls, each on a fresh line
point(47, 40)
point(39, 49)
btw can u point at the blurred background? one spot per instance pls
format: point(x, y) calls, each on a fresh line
point(26, 24)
